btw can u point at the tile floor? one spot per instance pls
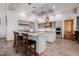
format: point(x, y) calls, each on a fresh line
point(60, 47)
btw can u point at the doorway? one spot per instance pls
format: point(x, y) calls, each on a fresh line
point(68, 29)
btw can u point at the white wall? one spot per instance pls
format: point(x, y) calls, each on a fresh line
point(12, 24)
point(3, 24)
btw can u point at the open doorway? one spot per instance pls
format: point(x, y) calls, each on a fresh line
point(68, 29)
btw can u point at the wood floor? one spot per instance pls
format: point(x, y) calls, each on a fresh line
point(60, 47)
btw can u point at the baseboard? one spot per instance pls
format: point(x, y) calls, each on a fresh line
point(2, 37)
point(9, 40)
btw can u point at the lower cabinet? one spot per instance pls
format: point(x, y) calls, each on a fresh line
point(51, 37)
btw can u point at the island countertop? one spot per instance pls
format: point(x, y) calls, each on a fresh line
point(37, 33)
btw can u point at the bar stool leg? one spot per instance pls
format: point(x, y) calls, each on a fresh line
point(35, 49)
point(30, 49)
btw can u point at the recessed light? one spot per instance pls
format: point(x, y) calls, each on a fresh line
point(29, 3)
point(53, 7)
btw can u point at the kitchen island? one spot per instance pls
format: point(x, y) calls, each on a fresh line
point(41, 38)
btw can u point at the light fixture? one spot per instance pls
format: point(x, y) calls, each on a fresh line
point(53, 7)
point(22, 14)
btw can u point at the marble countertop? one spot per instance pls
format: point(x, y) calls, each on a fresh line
point(34, 34)
point(37, 33)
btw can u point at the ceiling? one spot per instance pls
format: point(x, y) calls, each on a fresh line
point(39, 9)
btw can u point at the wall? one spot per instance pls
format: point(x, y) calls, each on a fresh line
point(12, 24)
point(2, 24)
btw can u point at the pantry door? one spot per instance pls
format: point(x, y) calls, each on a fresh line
point(68, 29)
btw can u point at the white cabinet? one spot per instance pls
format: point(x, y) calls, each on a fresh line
point(58, 24)
point(51, 37)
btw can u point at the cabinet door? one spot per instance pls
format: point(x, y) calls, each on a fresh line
point(51, 37)
point(58, 24)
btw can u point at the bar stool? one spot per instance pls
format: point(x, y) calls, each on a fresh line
point(28, 45)
point(17, 42)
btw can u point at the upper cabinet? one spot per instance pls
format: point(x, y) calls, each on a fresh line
point(25, 26)
point(58, 24)
point(46, 25)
